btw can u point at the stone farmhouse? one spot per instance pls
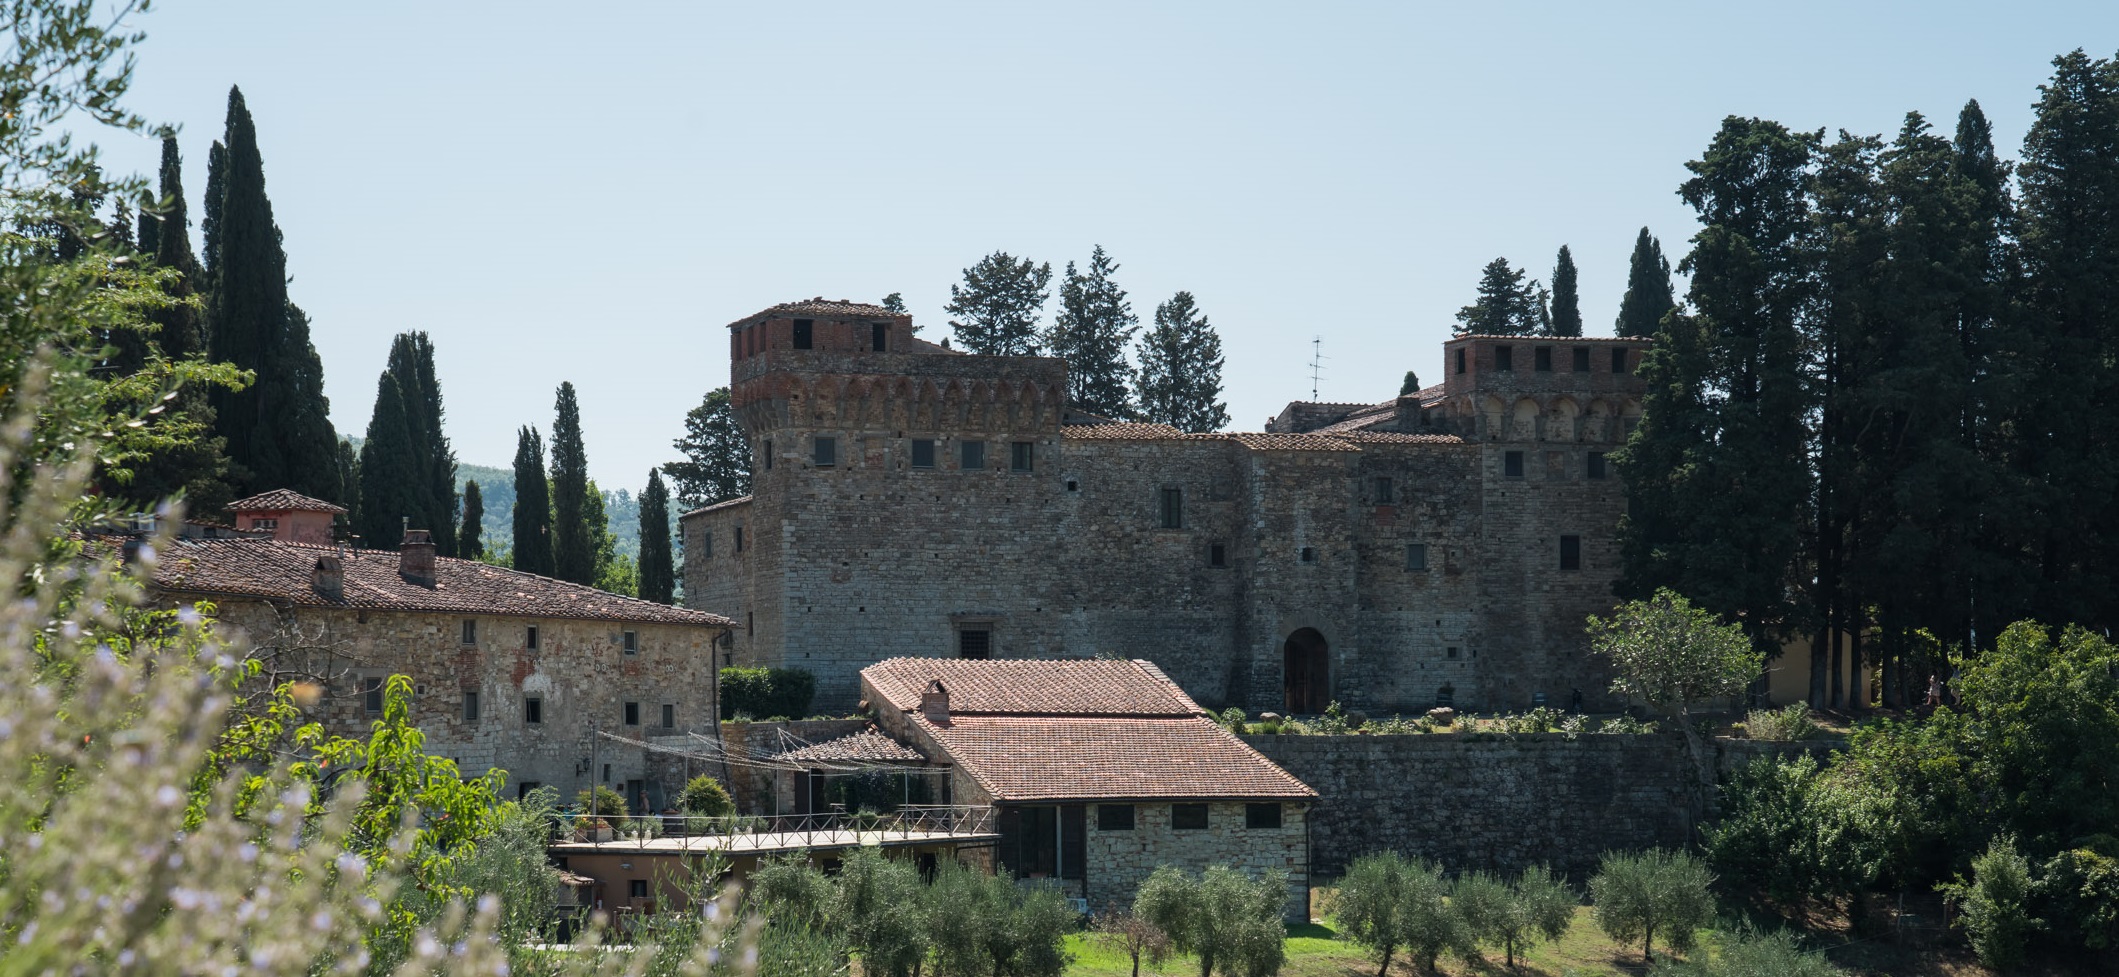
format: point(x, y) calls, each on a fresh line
point(914, 501)
point(510, 669)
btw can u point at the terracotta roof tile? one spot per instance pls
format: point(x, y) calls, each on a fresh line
point(1055, 758)
point(866, 746)
point(1026, 687)
point(1286, 442)
point(723, 504)
point(282, 500)
point(278, 570)
point(1120, 432)
point(822, 308)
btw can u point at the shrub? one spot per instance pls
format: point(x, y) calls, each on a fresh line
point(1514, 913)
point(871, 910)
point(1792, 834)
point(1543, 719)
point(1638, 895)
point(601, 801)
point(1230, 921)
point(1234, 717)
point(704, 797)
point(789, 891)
point(1996, 913)
point(1627, 725)
point(756, 692)
point(2081, 888)
point(1749, 954)
point(1784, 725)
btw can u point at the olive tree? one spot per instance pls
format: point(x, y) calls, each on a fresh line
point(1387, 901)
point(1639, 894)
point(1514, 913)
point(1228, 920)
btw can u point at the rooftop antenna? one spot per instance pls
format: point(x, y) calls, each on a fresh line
point(1316, 363)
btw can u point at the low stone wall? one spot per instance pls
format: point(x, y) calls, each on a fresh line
point(1499, 802)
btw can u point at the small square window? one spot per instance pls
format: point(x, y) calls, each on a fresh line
point(1581, 356)
point(470, 631)
point(975, 643)
point(1114, 817)
point(470, 707)
point(1416, 556)
point(1618, 360)
point(1541, 359)
point(1020, 456)
point(1596, 466)
point(825, 451)
point(1188, 817)
point(372, 695)
point(1261, 816)
point(804, 333)
point(1460, 360)
point(972, 455)
point(529, 638)
point(1217, 555)
point(533, 709)
point(632, 714)
point(1173, 508)
point(630, 641)
point(636, 888)
point(1512, 464)
point(1386, 492)
point(669, 716)
point(1451, 653)
point(879, 336)
point(1505, 358)
point(923, 452)
point(1309, 554)
point(1570, 552)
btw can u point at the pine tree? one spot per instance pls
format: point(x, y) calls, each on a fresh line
point(1094, 326)
point(1566, 303)
point(278, 429)
point(658, 574)
point(532, 521)
point(895, 302)
point(2001, 581)
point(716, 465)
point(408, 470)
point(574, 539)
point(1507, 305)
point(1180, 369)
point(469, 543)
point(1648, 291)
point(998, 305)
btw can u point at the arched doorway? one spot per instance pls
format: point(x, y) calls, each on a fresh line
point(1307, 672)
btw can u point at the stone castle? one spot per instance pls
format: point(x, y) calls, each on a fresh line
point(1442, 547)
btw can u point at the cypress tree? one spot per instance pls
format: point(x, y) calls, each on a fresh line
point(390, 483)
point(210, 217)
point(533, 506)
point(469, 542)
point(408, 469)
point(1094, 326)
point(2001, 580)
point(1566, 303)
point(574, 540)
point(658, 573)
point(150, 226)
point(1410, 385)
point(1180, 369)
point(1507, 305)
point(1648, 291)
point(997, 307)
point(716, 465)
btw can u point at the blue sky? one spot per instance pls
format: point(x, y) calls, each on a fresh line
point(589, 192)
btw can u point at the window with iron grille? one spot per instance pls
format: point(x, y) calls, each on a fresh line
point(923, 452)
point(974, 643)
point(1173, 508)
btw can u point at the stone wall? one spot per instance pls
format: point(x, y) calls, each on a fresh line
point(1117, 862)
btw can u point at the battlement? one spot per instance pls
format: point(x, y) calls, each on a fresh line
point(1542, 388)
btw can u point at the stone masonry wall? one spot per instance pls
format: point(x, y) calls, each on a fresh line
point(1119, 861)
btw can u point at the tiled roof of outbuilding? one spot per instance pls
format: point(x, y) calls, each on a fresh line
point(1028, 687)
point(821, 308)
point(281, 571)
point(866, 746)
point(282, 500)
point(1056, 758)
point(723, 504)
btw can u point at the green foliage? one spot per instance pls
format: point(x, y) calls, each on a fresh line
point(469, 545)
point(716, 464)
point(761, 693)
point(1673, 654)
point(1229, 921)
point(407, 469)
point(1995, 905)
point(1514, 913)
point(574, 535)
point(658, 570)
point(1507, 305)
point(996, 309)
point(1637, 895)
point(531, 542)
point(1410, 385)
point(1180, 369)
point(1566, 300)
point(601, 801)
point(788, 890)
point(1649, 296)
point(2079, 889)
point(1094, 326)
point(980, 924)
point(895, 302)
point(704, 797)
point(871, 907)
point(1793, 834)
point(1750, 954)
point(1387, 902)
point(1787, 724)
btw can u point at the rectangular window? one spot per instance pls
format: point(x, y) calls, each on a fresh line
point(923, 452)
point(1618, 360)
point(372, 695)
point(1505, 358)
point(975, 643)
point(1188, 817)
point(632, 714)
point(533, 709)
point(1512, 464)
point(1596, 466)
point(1541, 359)
point(1114, 817)
point(1386, 493)
point(706, 546)
point(1416, 556)
point(669, 716)
point(636, 888)
point(768, 454)
point(470, 707)
point(1173, 508)
point(1460, 360)
point(739, 539)
point(1019, 456)
point(1261, 815)
point(529, 638)
point(1570, 552)
point(973, 455)
point(470, 631)
point(629, 640)
point(1217, 555)
point(802, 333)
point(1309, 554)
point(879, 336)
point(750, 623)
point(1581, 364)
point(825, 452)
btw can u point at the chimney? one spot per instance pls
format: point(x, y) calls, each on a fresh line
point(934, 703)
point(415, 557)
point(328, 578)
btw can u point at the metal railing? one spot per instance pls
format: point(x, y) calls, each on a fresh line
point(833, 827)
